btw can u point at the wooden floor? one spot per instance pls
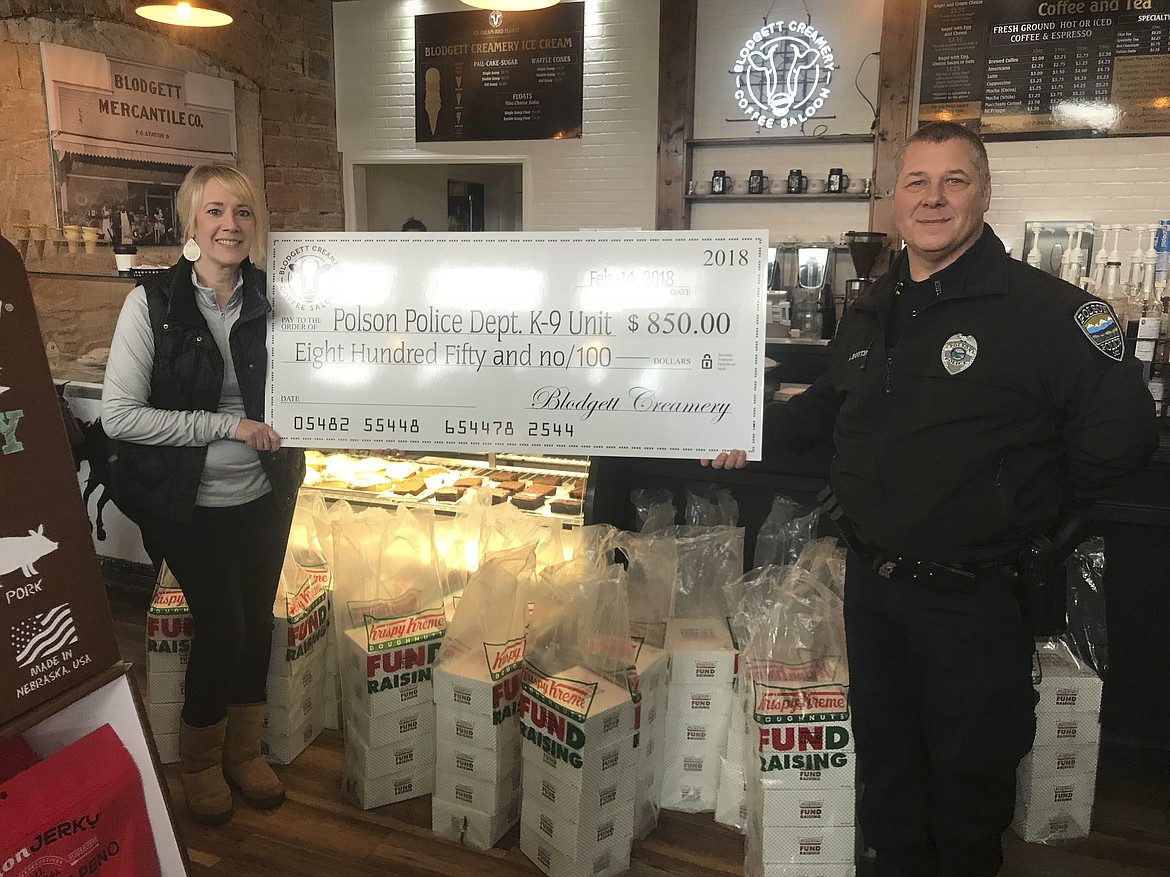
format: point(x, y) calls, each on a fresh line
point(315, 833)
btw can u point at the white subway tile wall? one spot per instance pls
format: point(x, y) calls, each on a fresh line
point(1118, 180)
point(606, 179)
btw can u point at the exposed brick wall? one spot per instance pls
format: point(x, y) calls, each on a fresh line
point(279, 54)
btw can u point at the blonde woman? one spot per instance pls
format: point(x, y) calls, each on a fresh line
point(205, 478)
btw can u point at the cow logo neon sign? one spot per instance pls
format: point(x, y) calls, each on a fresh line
point(783, 74)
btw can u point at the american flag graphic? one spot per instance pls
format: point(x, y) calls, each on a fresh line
point(42, 635)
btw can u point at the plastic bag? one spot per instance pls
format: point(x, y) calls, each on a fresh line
point(477, 699)
point(653, 509)
point(711, 506)
point(505, 527)
point(1087, 634)
point(708, 558)
point(457, 547)
point(795, 677)
point(1056, 780)
point(299, 704)
point(579, 710)
point(785, 532)
point(391, 625)
point(651, 562)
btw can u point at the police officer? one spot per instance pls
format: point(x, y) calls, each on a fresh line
point(974, 403)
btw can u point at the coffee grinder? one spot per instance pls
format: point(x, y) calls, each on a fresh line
point(864, 247)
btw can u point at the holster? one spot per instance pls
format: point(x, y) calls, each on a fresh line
point(1041, 589)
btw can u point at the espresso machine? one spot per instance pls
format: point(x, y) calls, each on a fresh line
point(800, 289)
point(865, 247)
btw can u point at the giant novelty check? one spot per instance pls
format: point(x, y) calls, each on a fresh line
point(618, 344)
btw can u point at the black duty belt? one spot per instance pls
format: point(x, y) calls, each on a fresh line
point(944, 576)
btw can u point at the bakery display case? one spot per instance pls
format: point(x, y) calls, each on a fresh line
point(554, 487)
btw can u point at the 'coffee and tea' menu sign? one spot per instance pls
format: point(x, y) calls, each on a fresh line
point(1032, 67)
point(55, 626)
point(499, 75)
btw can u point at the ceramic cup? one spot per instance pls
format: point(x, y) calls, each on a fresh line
point(740, 187)
point(816, 187)
point(702, 187)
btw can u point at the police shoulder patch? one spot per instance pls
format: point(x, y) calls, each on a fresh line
point(1096, 320)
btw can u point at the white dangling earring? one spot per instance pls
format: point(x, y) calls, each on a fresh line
point(191, 251)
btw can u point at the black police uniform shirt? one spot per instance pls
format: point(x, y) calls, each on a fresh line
point(1007, 401)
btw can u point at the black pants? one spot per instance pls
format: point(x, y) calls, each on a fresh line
point(943, 711)
point(227, 561)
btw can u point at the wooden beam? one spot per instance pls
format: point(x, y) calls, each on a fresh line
point(901, 22)
point(677, 28)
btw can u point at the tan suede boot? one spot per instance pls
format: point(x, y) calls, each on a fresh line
point(209, 800)
point(242, 763)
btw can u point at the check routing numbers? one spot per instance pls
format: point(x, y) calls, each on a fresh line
point(623, 344)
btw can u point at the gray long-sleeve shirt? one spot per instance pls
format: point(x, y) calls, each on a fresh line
point(232, 474)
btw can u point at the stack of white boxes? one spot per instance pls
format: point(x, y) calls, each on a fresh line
point(331, 701)
point(169, 633)
point(653, 670)
point(296, 669)
point(801, 784)
point(477, 748)
point(1056, 781)
point(580, 773)
point(731, 798)
point(387, 666)
point(699, 703)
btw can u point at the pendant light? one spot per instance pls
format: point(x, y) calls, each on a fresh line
point(186, 13)
point(511, 5)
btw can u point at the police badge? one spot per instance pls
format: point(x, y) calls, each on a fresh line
point(1100, 326)
point(958, 352)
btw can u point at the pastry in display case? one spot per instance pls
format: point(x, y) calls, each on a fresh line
point(540, 485)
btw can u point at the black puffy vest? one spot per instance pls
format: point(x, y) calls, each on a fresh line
point(163, 480)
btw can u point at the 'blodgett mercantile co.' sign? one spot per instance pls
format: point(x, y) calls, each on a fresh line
point(108, 101)
point(782, 74)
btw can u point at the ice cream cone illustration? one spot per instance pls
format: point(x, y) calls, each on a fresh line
point(433, 101)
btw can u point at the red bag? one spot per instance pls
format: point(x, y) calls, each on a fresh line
point(15, 756)
point(78, 813)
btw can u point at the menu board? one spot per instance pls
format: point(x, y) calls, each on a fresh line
point(1021, 67)
point(499, 75)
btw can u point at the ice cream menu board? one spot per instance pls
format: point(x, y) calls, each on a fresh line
point(1032, 67)
point(499, 75)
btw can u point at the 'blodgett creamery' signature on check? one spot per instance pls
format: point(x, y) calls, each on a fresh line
point(641, 399)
